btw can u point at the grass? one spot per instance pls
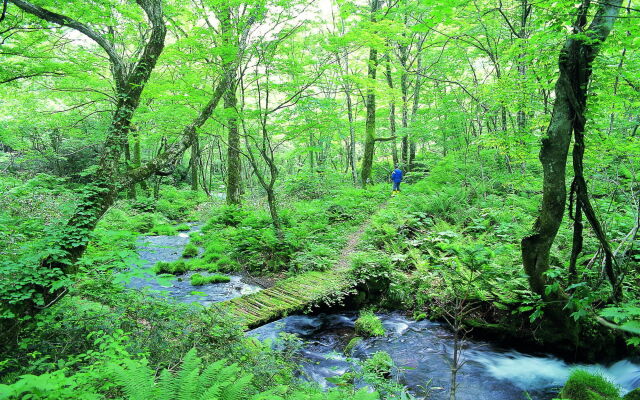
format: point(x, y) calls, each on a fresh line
point(199, 280)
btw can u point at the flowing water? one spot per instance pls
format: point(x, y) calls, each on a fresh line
point(420, 349)
point(152, 249)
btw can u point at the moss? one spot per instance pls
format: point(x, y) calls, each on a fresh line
point(175, 267)
point(419, 316)
point(191, 250)
point(199, 280)
point(585, 386)
point(163, 230)
point(348, 349)
point(196, 238)
point(369, 325)
point(183, 228)
point(633, 395)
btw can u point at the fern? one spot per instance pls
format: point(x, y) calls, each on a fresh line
point(216, 381)
point(135, 377)
point(238, 389)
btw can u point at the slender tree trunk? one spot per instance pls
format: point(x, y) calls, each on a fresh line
point(370, 125)
point(234, 164)
point(137, 159)
point(352, 139)
point(392, 113)
point(194, 162)
point(414, 111)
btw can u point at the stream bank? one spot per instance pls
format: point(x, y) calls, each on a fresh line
point(420, 349)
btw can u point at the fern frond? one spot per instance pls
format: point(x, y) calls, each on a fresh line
point(166, 387)
point(136, 379)
point(189, 385)
point(238, 389)
point(211, 373)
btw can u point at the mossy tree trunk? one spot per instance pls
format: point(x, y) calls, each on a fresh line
point(370, 124)
point(108, 181)
point(575, 62)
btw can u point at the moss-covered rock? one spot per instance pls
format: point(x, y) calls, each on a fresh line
point(633, 395)
point(585, 386)
point(199, 280)
point(183, 227)
point(191, 250)
point(175, 267)
point(369, 325)
point(348, 349)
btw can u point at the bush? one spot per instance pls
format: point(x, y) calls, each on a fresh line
point(368, 324)
point(585, 386)
point(199, 280)
point(379, 364)
point(143, 223)
point(173, 267)
point(633, 395)
point(316, 257)
point(229, 215)
point(191, 250)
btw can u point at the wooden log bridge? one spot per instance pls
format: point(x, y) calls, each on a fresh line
point(299, 293)
point(296, 294)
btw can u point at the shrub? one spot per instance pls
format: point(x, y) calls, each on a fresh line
point(379, 364)
point(199, 280)
point(144, 204)
point(174, 267)
point(191, 250)
point(316, 257)
point(585, 386)
point(229, 215)
point(368, 324)
point(143, 223)
point(633, 395)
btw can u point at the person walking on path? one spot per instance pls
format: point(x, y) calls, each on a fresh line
point(396, 177)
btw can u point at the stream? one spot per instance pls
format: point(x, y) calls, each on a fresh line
point(152, 249)
point(420, 349)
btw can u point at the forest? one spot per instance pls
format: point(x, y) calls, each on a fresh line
point(320, 199)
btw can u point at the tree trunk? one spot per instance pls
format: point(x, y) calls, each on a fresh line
point(234, 164)
point(194, 162)
point(352, 139)
point(392, 114)
point(576, 58)
point(370, 125)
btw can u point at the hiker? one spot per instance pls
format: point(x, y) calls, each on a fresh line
point(396, 177)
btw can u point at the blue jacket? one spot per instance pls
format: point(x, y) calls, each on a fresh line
point(396, 175)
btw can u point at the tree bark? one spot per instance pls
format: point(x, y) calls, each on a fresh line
point(575, 61)
point(234, 164)
point(194, 162)
point(370, 125)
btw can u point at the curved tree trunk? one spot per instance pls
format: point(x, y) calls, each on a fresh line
point(575, 61)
